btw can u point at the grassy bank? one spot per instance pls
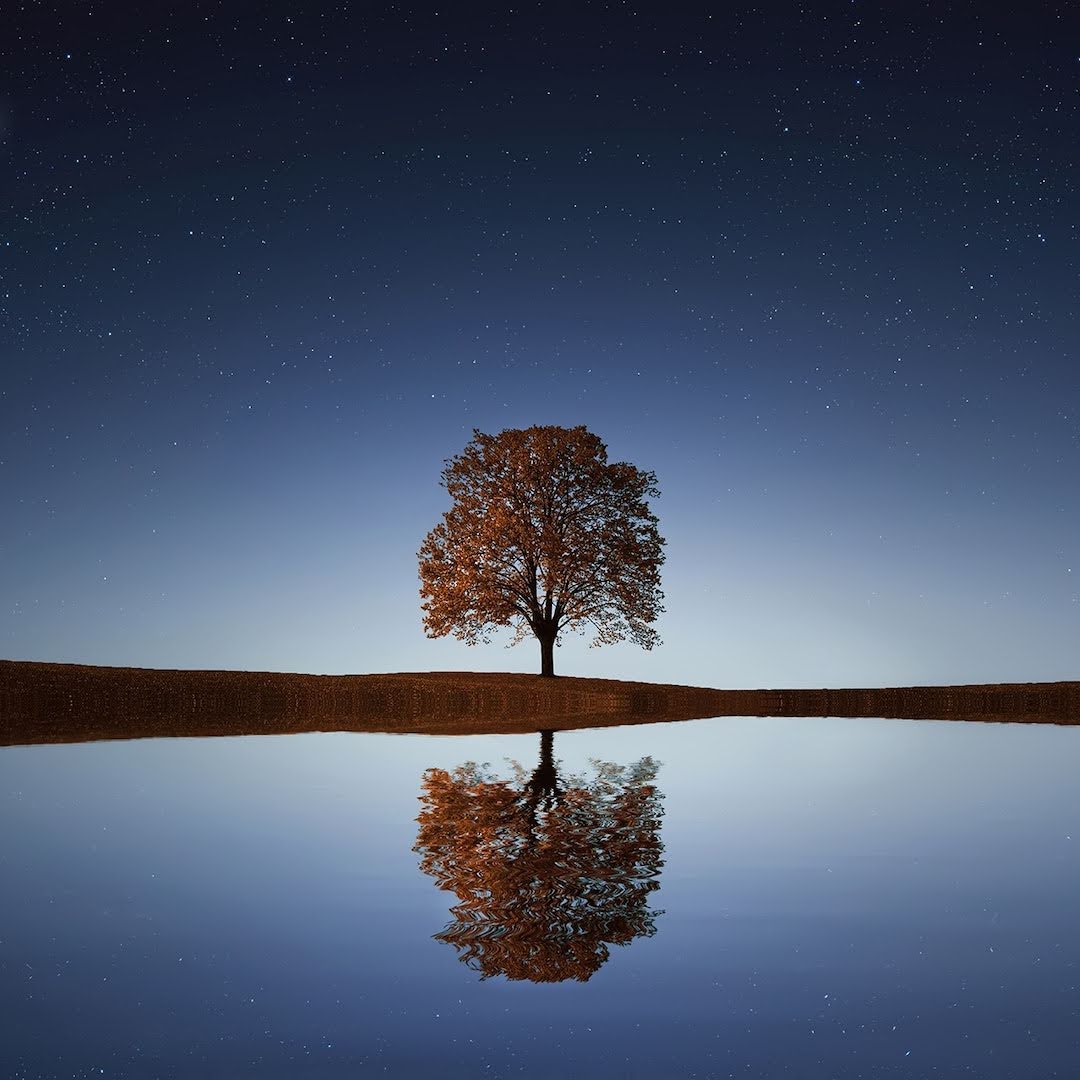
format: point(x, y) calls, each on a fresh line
point(44, 703)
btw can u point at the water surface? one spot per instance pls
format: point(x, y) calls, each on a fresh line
point(805, 897)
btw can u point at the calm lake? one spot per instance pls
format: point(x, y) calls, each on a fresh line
point(762, 897)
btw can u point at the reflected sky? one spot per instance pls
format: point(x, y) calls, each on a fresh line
point(254, 907)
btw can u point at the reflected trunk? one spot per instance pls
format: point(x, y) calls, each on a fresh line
point(543, 785)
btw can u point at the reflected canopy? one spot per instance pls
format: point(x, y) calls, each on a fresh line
point(548, 872)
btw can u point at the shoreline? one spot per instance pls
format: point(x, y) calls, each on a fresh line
point(56, 703)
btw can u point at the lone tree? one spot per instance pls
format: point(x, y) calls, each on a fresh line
point(544, 534)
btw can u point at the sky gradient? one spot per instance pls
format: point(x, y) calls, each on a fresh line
point(264, 268)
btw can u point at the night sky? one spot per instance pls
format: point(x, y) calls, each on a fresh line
point(265, 266)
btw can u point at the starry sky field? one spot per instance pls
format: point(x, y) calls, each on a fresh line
point(265, 266)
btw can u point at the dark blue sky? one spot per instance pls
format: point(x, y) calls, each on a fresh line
point(265, 267)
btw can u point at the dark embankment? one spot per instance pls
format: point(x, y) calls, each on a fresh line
point(47, 703)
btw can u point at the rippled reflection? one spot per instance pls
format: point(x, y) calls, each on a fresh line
point(549, 871)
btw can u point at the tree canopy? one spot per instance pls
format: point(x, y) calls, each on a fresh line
point(544, 534)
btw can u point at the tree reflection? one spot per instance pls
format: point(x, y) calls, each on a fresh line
point(548, 872)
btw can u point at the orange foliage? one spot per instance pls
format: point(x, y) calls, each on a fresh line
point(547, 876)
point(544, 534)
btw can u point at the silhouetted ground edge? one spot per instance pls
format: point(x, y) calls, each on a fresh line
point(48, 703)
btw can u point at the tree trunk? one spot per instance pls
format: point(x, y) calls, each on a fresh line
point(547, 654)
